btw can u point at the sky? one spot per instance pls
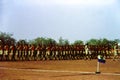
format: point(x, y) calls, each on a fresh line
point(69, 19)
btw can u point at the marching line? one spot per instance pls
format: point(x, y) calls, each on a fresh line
point(39, 70)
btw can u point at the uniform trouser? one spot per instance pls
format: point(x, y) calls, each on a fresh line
point(10, 55)
point(1, 53)
point(16, 55)
point(5, 55)
point(29, 55)
point(88, 54)
point(115, 55)
point(47, 56)
point(32, 55)
point(37, 55)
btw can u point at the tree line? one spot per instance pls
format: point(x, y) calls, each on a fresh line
point(7, 38)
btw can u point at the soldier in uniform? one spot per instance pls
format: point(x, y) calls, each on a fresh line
point(17, 52)
point(57, 53)
point(64, 52)
point(81, 51)
point(60, 50)
point(38, 52)
point(11, 53)
point(29, 52)
point(43, 51)
point(87, 52)
point(73, 52)
point(6, 51)
point(1, 51)
point(67, 52)
point(77, 51)
point(26, 52)
point(20, 55)
point(48, 52)
point(32, 52)
point(115, 52)
point(31, 49)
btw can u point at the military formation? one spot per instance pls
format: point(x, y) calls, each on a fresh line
point(53, 52)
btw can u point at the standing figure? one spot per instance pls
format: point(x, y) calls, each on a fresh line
point(29, 52)
point(26, 52)
point(1, 52)
point(87, 52)
point(115, 53)
point(6, 51)
point(33, 52)
point(48, 53)
point(17, 54)
point(11, 53)
point(37, 52)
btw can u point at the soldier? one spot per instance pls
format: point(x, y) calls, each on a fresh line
point(6, 51)
point(105, 48)
point(48, 52)
point(17, 52)
point(41, 52)
point(1, 51)
point(60, 52)
point(56, 52)
point(64, 52)
point(87, 52)
point(26, 52)
point(29, 52)
point(33, 52)
point(20, 54)
point(38, 52)
point(53, 52)
point(115, 52)
point(81, 50)
point(73, 51)
point(23, 52)
point(70, 52)
point(77, 51)
point(11, 53)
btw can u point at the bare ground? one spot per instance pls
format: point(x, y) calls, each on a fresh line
point(59, 70)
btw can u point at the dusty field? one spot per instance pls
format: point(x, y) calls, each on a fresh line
point(59, 70)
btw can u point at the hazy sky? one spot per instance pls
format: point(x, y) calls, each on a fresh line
point(69, 19)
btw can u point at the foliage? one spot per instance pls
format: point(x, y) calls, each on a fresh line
point(63, 41)
point(6, 38)
point(103, 41)
point(78, 42)
point(43, 41)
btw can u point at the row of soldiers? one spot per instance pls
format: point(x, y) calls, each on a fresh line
point(52, 52)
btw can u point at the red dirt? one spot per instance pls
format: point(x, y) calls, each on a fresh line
point(30, 70)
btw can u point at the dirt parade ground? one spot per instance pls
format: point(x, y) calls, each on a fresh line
point(59, 70)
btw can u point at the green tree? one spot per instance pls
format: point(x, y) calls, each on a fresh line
point(50, 41)
point(43, 41)
point(92, 41)
point(78, 42)
point(39, 40)
point(63, 41)
point(66, 42)
point(105, 41)
point(6, 38)
point(117, 40)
